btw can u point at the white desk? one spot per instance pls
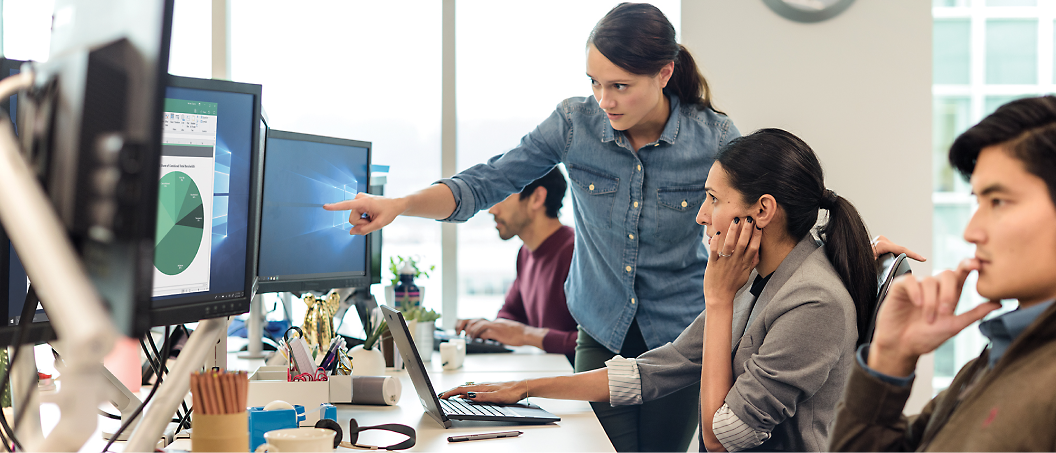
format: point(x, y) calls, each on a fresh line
point(578, 430)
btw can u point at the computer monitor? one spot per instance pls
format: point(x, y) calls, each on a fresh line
point(90, 127)
point(302, 246)
point(205, 252)
point(9, 106)
point(13, 281)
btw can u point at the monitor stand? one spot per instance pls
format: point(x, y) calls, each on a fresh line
point(255, 325)
point(255, 330)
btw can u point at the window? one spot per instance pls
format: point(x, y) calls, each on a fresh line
point(986, 53)
point(357, 70)
point(511, 76)
point(27, 29)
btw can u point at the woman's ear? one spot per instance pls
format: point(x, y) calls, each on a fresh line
point(665, 74)
point(765, 210)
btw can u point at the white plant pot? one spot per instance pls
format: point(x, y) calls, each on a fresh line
point(423, 339)
point(367, 362)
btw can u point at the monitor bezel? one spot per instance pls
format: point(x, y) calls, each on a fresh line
point(327, 282)
point(198, 307)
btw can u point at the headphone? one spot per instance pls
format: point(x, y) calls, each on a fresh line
point(354, 429)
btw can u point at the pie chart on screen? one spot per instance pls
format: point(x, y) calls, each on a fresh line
point(181, 221)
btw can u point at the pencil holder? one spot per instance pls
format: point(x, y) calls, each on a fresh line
point(222, 432)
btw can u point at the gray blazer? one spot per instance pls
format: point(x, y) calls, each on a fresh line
point(793, 350)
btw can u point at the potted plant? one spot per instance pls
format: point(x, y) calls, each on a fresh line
point(405, 266)
point(367, 359)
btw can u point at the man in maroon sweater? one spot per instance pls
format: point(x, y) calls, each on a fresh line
point(535, 312)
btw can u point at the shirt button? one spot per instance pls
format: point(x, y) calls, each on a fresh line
point(684, 204)
point(591, 187)
point(628, 268)
point(636, 204)
point(639, 168)
point(632, 301)
point(631, 236)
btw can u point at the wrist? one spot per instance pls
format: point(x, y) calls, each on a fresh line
point(891, 362)
point(718, 300)
point(403, 204)
point(534, 335)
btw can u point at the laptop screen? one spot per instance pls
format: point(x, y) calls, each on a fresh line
point(401, 337)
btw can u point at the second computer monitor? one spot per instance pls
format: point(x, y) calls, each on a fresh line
point(205, 254)
point(302, 246)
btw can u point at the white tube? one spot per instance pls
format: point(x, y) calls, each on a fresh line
point(74, 308)
point(174, 389)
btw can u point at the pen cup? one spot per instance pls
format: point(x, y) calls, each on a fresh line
point(221, 432)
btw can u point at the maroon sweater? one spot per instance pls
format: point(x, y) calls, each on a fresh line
point(537, 296)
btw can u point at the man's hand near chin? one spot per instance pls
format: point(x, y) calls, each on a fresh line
point(505, 331)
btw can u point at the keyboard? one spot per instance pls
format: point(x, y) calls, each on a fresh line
point(473, 345)
point(461, 407)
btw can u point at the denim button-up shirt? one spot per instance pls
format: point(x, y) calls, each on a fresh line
point(638, 251)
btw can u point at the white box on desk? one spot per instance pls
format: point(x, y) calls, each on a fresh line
point(269, 383)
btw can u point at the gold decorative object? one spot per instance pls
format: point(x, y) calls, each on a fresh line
point(319, 320)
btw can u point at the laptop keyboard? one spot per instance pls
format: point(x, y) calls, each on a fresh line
point(455, 406)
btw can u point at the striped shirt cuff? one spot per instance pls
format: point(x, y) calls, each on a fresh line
point(625, 384)
point(734, 434)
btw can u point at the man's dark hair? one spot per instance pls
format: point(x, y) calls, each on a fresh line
point(1026, 129)
point(555, 185)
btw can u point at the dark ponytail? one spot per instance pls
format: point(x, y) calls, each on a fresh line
point(638, 38)
point(794, 178)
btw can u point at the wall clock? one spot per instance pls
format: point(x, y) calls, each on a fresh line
point(808, 11)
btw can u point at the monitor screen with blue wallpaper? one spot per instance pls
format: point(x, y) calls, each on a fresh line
point(204, 252)
point(302, 246)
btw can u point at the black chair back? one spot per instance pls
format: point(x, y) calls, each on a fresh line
point(891, 267)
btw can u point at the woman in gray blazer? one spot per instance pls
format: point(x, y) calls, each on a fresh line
point(787, 308)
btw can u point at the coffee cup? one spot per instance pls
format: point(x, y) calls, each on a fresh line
point(453, 353)
point(297, 439)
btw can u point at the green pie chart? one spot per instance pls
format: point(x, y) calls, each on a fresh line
point(181, 222)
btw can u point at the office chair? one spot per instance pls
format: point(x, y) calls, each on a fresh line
point(891, 267)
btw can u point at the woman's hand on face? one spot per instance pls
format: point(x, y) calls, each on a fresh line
point(498, 393)
point(732, 258)
point(369, 212)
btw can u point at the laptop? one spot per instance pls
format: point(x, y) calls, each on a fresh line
point(444, 411)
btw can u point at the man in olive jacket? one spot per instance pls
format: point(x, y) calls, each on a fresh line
point(1004, 400)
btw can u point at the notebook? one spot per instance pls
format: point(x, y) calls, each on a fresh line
point(444, 411)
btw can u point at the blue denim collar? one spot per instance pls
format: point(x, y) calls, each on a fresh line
point(669, 134)
point(1004, 329)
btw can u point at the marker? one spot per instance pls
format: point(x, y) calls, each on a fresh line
point(484, 436)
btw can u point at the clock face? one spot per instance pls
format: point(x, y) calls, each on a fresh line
point(808, 10)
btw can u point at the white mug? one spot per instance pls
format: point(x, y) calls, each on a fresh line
point(453, 353)
point(297, 439)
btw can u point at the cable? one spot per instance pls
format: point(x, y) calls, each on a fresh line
point(164, 370)
point(125, 424)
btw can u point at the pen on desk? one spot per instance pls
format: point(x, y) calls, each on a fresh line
point(484, 436)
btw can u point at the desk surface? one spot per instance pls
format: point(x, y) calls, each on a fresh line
point(578, 430)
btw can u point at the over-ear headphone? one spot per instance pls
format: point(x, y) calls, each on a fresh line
point(354, 429)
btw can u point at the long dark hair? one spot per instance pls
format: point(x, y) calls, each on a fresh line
point(775, 162)
point(638, 38)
